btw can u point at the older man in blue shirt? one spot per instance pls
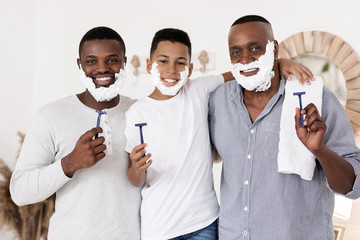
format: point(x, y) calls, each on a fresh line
point(258, 202)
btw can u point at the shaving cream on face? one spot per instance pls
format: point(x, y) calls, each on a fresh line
point(262, 80)
point(169, 91)
point(103, 94)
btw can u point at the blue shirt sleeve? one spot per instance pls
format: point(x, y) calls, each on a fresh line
point(339, 137)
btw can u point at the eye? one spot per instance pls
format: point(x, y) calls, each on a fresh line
point(181, 63)
point(113, 60)
point(255, 49)
point(163, 61)
point(90, 61)
point(235, 53)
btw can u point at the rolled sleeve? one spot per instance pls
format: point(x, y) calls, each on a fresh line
point(355, 193)
point(340, 139)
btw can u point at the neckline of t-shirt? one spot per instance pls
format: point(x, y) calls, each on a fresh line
point(149, 99)
point(121, 99)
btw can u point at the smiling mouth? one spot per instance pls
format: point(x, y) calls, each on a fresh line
point(169, 82)
point(103, 78)
point(249, 72)
point(103, 81)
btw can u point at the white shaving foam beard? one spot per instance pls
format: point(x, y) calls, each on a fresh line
point(262, 80)
point(169, 91)
point(104, 94)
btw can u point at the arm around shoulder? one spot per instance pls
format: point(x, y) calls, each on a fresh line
point(228, 76)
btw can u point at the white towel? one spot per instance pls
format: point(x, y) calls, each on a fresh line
point(293, 156)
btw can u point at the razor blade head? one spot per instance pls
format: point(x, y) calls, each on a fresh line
point(140, 124)
point(299, 93)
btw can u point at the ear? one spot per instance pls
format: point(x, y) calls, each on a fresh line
point(276, 50)
point(148, 65)
point(78, 63)
point(191, 66)
point(125, 60)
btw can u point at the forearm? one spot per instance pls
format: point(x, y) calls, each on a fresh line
point(28, 186)
point(136, 178)
point(339, 173)
point(302, 73)
point(227, 76)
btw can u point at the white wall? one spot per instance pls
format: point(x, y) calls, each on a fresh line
point(16, 64)
point(39, 42)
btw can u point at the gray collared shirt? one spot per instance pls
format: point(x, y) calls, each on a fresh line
point(256, 201)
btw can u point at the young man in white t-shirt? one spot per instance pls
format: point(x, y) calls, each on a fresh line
point(178, 197)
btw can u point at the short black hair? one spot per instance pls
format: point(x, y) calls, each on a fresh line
point(101, 33)
point(250, 18)
point(170, 34)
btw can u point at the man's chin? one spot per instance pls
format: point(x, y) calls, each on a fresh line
point(104, 94)
point(104, 100)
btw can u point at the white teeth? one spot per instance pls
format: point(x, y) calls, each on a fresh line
point(169, 80)
point(103, 78)
point(249, 70)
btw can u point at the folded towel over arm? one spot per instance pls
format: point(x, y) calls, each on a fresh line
point(293, 156)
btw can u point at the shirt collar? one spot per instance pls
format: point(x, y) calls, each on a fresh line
point(281, 90)
point(236, 95)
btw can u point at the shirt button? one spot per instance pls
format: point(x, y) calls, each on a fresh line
point(109, 143)
point(246, 182)
point(106, 122)
point(245, 209)
point(249, 156)
point(252, 131)
point(245, 233)
point(108, 132)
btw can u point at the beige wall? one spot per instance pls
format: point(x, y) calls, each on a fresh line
point(352, 226)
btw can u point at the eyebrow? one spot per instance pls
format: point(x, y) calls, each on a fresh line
point(165, 56)
point(182, 58)
point(234, 47)
point(111, 55)
point(247, 44)
point(255, 42)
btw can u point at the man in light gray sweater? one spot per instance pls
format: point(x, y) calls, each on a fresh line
point(75, 148)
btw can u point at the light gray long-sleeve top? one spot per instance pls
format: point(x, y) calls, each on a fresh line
point(97, 202)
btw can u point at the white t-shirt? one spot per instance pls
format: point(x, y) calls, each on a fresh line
point(97, 202)
point(178, 196)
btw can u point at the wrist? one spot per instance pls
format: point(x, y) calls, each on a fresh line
point(319, 151)
point(135, 177)
point(67, 167)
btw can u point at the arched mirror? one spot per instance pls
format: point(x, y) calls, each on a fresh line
point(332, 58)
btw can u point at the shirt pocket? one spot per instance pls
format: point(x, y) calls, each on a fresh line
point(270, 144)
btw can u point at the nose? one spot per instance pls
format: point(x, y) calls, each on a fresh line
point(102, 67)
point(172, 71)
point(171, 68)
point(245, 58)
